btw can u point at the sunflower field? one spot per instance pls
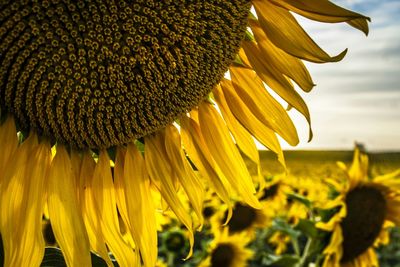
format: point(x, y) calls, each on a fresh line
point(129, 135)
point(331, 208)
point(326, 208)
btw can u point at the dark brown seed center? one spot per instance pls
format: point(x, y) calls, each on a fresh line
point(222, 256)
point(270, 192)
point(243, 217)
point(102, 73)
point(366, 211)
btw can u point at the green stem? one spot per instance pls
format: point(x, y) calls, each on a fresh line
point(296, 246)
point(305, 252)
point(170, 259)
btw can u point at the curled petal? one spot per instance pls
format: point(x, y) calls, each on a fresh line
point(293, 39)
point(325, 11)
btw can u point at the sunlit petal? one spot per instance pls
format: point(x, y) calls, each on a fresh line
point(225, 153)
point(140, 206)
point(65, 218)
point(105, 200)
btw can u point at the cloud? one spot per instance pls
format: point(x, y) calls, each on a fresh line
point(359, 97)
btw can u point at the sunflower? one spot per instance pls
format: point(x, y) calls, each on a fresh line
point(227, 250)
point(140, 84)
point(274, 194)
point(365, 209)
point(304, 190)
point(244, 218)
point(279, 241)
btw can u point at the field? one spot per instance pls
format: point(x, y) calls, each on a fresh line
point(320, 163)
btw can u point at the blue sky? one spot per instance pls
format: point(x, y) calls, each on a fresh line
point(357, 99)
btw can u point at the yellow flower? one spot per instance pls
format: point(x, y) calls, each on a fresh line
point(311, 189)
point(274, 195)
point(366, 208)
point(279, 241)
point(244, 219)
point(83, 83)
point(228, 251)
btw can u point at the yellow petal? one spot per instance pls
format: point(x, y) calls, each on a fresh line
point(360, 24)
point(120, 185)
point(285, 32)
point(22, 201)
point(335, 246)
point(225, 153)
point(242, 137)
point(251, 90)
point(358, 171)
point(187, 178)
point(64, 212)
point(104, 196)
point(159, 169)
point(325, 11)
point(390, 180)
point(198, 153)
point(258, 129)
point(140, 205)
point(120, 193)
point(9, 142)
point(285, 64)
point(89, 211)
point(276, 82)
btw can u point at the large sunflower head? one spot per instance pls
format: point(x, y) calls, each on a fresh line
point(96, 75)
point(140, 85)
point(366, 207)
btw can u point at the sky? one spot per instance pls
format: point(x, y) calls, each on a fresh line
point(358, 98)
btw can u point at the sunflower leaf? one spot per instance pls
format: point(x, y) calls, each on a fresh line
point(280, 225)
point(300, 199)
point(281, 261)
point(307, 227)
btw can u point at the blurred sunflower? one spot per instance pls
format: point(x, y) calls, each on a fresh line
point(274, 195)
point(365, 208)
point(279, 242)
point(95, 81)
point(227, 250)
point(244, 218)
